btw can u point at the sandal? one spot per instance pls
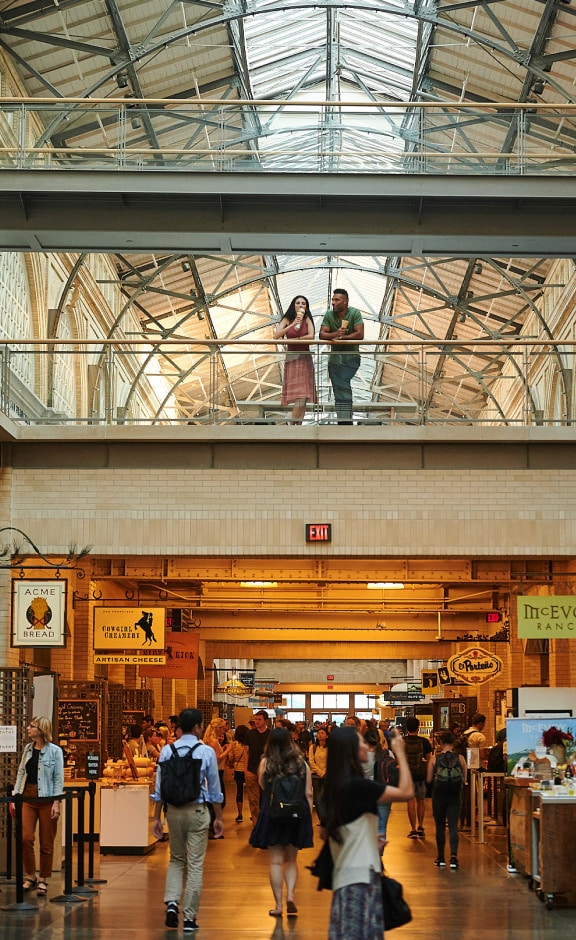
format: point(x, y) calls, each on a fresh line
point(41, 889)
point(29, 883)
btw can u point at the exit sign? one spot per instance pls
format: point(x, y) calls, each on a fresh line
point(493, 616)
point(318, 532)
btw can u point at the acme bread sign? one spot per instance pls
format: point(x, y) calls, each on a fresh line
point(474, 665)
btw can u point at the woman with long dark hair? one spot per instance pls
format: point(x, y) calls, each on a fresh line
point(351, 825)
point(298, 386)
point(283, 837)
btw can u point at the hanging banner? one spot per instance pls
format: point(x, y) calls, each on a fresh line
point(430, 684)
point(38, 613)
point(474, 665)
point(543, 616)
point(121, 628)
point(181, 653)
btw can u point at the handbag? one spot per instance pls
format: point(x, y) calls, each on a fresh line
point(322, 868)
point(396, 910)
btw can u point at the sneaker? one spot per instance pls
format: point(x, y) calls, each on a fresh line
point(413, 834)
point(171, 914)
point(440, 863)
point(453, 862)
point(190, 925)
point(420, 832)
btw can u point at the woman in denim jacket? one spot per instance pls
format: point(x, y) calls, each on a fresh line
point(40, 774)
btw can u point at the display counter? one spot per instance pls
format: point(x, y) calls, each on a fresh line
point(126, 819)
point(540, 837)
point(520, 851)
point(553, 826)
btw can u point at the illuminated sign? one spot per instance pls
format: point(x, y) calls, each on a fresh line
point(493, 616)
point(318, 532)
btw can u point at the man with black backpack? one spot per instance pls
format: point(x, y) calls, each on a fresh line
point(418, 750)
point(187, 781)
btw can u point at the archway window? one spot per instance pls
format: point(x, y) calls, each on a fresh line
point(16, 313)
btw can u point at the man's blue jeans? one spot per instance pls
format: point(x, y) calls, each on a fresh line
point(342, 369)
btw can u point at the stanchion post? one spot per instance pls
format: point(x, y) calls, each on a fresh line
point(21, 904)
point(81, 889)
point(92, 834)
point(9, 835)
point(68, 897)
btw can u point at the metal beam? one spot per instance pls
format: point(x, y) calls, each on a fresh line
point(252, 213)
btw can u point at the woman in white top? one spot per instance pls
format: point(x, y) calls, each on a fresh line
point(351, 824)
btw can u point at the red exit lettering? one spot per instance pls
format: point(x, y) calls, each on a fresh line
point(319, 532)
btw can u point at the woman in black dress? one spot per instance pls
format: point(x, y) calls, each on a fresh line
point(283, 837)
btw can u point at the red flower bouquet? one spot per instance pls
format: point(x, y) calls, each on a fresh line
point(555, 735)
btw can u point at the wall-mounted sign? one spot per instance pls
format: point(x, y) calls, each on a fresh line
point(78, 719)
point(493, 616)
point(543, 616)
point(180, 655)
point(38, 613)
point(318, 531)
point(122, 628)
point(8, 740)
point(474, 665)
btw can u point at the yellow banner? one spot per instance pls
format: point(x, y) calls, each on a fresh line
point(551, 615)
point(129, 659)
point(430, 682)
point(121, 628)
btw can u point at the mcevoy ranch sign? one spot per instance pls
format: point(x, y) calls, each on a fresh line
point(474, 665)
point(547, 616)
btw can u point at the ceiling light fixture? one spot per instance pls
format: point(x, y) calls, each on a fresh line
point(385, 586)
point(258, 584)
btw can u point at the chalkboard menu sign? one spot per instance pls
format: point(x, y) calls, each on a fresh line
point(92, 765)
point(78, 719)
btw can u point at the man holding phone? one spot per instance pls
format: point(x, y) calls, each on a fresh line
point(342, 322)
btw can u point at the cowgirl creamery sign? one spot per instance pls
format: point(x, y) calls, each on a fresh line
point(546, 615)
point(474, 665)
point(122, 628)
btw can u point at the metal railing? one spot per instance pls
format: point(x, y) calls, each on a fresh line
point(216, 135)
point(485, 383)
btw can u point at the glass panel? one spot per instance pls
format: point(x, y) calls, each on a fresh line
point(295, 716)
point(295, 700)
point(322, 717)
point(343, 700)
point(363, 701)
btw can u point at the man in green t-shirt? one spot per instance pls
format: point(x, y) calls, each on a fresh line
point(342, 323)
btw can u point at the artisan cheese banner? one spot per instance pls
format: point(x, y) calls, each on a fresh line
point(123, 628)
point(551, 615)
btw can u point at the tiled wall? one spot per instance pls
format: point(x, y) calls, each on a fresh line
point(263, 511)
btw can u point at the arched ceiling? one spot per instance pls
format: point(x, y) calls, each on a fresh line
point(425, 50)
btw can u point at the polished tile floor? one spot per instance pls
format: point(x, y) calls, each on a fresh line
point(481, 899)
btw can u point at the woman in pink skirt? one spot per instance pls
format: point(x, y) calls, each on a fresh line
point(298, 386)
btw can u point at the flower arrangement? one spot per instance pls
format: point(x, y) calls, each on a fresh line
point(554, 736)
